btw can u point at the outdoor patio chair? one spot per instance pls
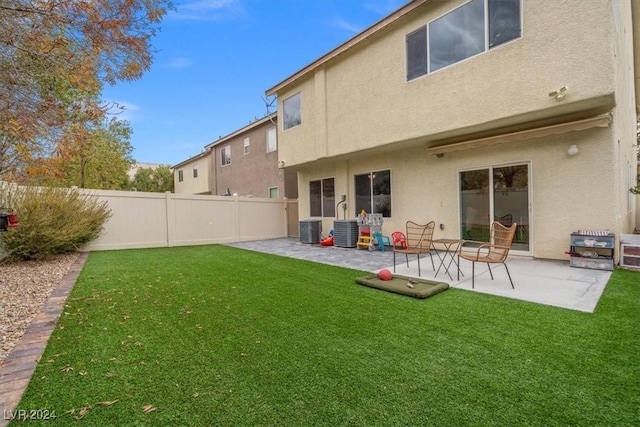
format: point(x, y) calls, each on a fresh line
point(382, 240)
point(496, 251)
point(418, 242)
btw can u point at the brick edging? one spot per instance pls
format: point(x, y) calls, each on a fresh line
point(17, 369)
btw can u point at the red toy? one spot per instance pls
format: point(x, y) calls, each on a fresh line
point(385, 275)
point(399, 240)
point(327, 242)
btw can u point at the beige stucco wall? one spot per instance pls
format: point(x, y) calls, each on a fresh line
point(359, 114)
point(425, 187)
point(624, 130)
point(190, 185)
point(361, 99)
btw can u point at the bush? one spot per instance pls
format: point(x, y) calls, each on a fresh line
point(52, 221)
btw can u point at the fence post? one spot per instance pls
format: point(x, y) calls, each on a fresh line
point(236, 219)
point(171, 220)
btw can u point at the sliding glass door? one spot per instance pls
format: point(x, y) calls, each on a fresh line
point(496, 193)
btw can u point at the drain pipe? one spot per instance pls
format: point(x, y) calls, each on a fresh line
point(343, 202)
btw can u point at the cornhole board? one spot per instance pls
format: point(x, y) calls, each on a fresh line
point(422, 288)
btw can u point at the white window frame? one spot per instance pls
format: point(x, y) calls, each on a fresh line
point(487, 40)
point(195, 171)
point(325, 201)
point(247, 144)
point(225, 155)
point(180, 175)
point(293, 117)
point(272, 139)
point(277, 192)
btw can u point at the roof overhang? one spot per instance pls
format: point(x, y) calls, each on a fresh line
point(268, 118)
point(602, 121)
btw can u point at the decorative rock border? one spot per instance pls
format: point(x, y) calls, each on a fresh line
point(16, 370)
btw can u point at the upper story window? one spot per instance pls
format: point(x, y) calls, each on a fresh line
point(195, 171)
point(292, 111)
point(225, 155)
point(462, 33)
point(272, 144)
point(180, 176)
point(247, 143)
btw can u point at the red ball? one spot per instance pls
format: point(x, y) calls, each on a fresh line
point(384, 274)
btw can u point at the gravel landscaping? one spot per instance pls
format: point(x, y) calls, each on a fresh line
point(24, 287)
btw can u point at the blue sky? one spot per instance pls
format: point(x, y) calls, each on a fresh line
point(214, 60)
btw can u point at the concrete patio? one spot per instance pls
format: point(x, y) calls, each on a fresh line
point(541, 281)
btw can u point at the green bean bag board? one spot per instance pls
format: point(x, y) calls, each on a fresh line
point(409, 286)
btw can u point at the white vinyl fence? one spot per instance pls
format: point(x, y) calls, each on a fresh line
point(146, 220)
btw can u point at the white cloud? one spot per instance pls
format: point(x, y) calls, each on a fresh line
point(384, 8)
point(378, 7)
point(179, 62)
point(347, 26)
point(208, 10)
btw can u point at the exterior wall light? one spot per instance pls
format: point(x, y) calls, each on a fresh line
point(573, 150)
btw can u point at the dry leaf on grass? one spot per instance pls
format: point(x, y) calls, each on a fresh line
point(66, 368)
point(82, 412)
point(107, 403)
point(148, 408)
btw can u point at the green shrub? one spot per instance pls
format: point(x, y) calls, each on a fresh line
point(52, 221)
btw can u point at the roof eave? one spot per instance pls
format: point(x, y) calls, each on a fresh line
point(384, 22)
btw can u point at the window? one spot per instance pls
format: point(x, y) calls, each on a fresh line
point(225, 155)
point(373, 193)
point(247, 141)
point(292, 113)
point(273, 193)
point(180, 176)
point(457, 35)
point(417, 53)
point(460, 34)
point(496, 193)
point(195, 171)
point(272, 144)
point(322, 198)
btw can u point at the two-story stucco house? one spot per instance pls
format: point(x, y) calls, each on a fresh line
point(243, 163)
point(466, 111)
point(191, 176)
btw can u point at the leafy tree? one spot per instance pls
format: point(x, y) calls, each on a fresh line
point(155, 180)
point(54, 58)
point(88, 157)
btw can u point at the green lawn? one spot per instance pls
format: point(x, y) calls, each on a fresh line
point(213, 335)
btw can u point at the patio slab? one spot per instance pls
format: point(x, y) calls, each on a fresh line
point(546, 282)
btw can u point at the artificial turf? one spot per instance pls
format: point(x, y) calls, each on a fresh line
point(214, 335)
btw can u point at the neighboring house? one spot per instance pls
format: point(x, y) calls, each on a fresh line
point(137, 166)
point(243, 163)
point(462, 112)
point(192, 175)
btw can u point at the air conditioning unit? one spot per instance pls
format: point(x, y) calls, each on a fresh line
point(345, 233)
point(310, 231)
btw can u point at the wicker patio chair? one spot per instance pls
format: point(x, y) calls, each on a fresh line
point(418, 241)
point(494, 252)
